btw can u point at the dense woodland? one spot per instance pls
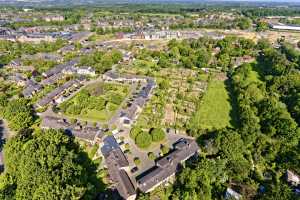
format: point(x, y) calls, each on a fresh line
point(35, 157)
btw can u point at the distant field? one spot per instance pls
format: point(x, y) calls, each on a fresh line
point(214, 111)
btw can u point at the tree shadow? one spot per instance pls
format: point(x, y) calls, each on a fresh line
point(2, 142)
point(234, 112)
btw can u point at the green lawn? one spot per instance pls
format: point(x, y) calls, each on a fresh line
point(93, 115)
point(214, 110)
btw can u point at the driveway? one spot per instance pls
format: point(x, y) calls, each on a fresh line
point(146, 163)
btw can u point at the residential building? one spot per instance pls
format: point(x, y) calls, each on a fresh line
point(167, 166)
point(86, 70)
point(57, 92)
point(116, 163)
point(84, 132)
point(111, 76)
point(83, 70)
point(66, 49)
point(19, 79)
point(50, 18)
point(59, 68)
point(285, 27)
point(32, 87)
point(129, 115)
point(35, 38)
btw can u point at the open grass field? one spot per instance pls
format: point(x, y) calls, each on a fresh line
point(214, 110)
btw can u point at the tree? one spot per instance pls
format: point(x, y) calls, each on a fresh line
point(280, 191)
point(137, 161)
point(19, 114)
point(244, 23)
point(157, 134)
point(164, 149)
point(261, 26)
point(143, 140)
point(134, 132)
point(47, 165)
point(197, 183)
point(203, 58)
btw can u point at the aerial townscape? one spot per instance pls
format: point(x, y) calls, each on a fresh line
point(149, 100)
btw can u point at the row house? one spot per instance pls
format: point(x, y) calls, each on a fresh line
point(53, 96)
point(130, 115)
point(117, 164)
point(166, 167)
point(111, 76)
point(50, 18)
point(17, 65)
point(83, 70)
point(88, 133)
point(32, 87)
point(36, 38)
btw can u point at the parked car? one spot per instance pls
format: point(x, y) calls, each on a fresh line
point(135, 169)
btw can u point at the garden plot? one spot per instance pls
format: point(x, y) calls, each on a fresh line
point(174, 100)
point(96, 102)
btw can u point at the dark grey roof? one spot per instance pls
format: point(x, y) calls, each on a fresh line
point(115, 161)
point(131, 112)
point(50, 96)
point(58, 69)
point(75, 37)
point(83, 132)
point(114, 75)
point(67, 48)
point(16, 62)
point(168, 165)
point(31, 87)
point(118, 157)
point(52, 79)
point(110, 143)
point(87, 133)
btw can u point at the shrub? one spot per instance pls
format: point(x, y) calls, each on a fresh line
point(143, 140)
point(137, 161)
point(73, 121)
point(95, 124)
point(127, 146)
point(151, 156)
point(157, 134)
point(127, 151)
point(164, 149)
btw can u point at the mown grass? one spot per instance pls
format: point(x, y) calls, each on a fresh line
point(214, 109)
